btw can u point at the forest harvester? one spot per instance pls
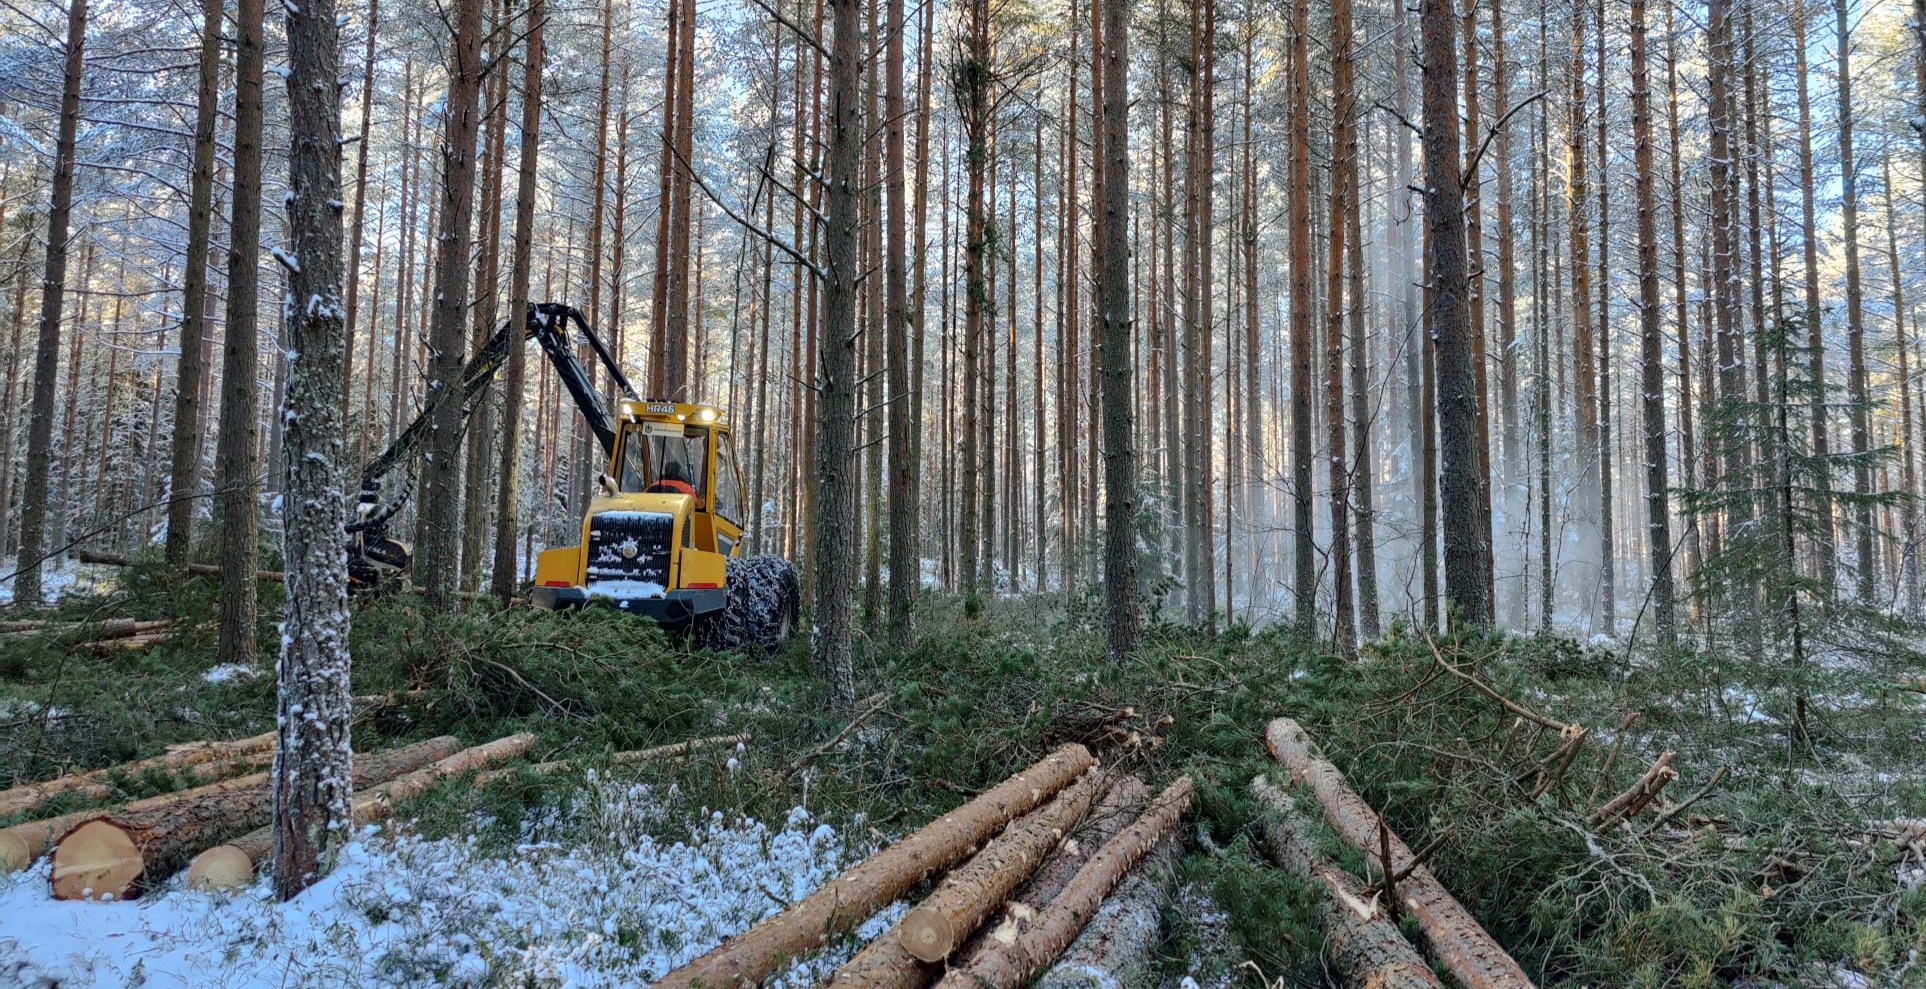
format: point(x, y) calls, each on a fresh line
point(663, 533)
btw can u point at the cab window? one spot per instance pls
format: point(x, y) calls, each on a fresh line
point(728, 482)
point(666, 458)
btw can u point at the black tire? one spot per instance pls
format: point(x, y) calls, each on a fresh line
point(764, 601)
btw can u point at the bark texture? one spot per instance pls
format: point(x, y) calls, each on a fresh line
point(745, 960)
point(1117, 948)
point(237, 470)
point(1010, 964)
point(1362, 941)
point(1119, 373)
point(833, 555)
point(312, 782)
point(507, 496)
point(441, 468)
point(185, 451)
point(1466, 495)
point(1453, 935)
point(905, 956)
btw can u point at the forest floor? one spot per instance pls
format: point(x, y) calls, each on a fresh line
point(1778, 876)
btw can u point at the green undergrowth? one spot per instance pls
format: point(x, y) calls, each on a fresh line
point(1767, 880)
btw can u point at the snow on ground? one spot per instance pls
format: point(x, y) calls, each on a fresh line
point(57, 577)
point(621, 910)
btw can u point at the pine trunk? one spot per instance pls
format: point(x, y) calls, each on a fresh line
point(236, 469)
point(1658, 522)
point(1467, 531)
point(312, 784)
point(53, 287)
point(441, 471)
point(514, 382)
point(184, 464)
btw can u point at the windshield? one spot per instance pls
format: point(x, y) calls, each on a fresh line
point(666, 458)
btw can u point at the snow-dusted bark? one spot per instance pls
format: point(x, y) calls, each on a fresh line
point(313, 790)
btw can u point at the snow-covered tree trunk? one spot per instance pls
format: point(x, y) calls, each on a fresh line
point(313, 791)
point(53, 285)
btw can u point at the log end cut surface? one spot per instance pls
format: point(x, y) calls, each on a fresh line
point(95, 861)
point(221, 869)
point(928, 934)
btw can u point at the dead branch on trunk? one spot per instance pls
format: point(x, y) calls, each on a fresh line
point(1453, 935)
point(744, 961)
point(1365, 944)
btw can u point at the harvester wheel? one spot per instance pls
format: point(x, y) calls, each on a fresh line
point(764, 600)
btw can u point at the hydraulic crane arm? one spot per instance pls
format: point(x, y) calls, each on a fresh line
point(547, 323)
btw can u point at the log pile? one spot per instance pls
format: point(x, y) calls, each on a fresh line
point(114, 855)
point(209, 760)
point(1022, 868)
point(232, 866)
point(1454, 938)
point(112, 635)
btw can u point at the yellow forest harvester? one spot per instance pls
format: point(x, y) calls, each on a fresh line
point(664, 531)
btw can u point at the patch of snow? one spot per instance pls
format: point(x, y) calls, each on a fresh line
point(226, 672)
point(625, 590)
point(622, 910)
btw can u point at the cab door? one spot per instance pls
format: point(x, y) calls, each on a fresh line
point(728, 511)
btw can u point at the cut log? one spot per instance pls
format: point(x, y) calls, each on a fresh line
point(1636, 797)
point(745, 960)
point(184, 777)
point(1009, 965)
point(1120, 806)
point(201, 569)
point(1116, 949)
point(115, 855)
point(628, 758)
point(903, 957)
point(88, 632)
point(25, 842)
point(21, 798)
point(231, 866)
point(1453, 936)
point(1365, 945)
